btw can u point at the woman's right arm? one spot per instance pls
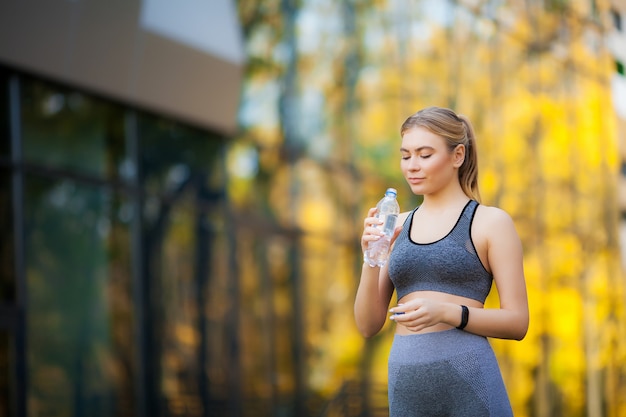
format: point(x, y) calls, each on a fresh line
point(375, 288)
point(372, 300)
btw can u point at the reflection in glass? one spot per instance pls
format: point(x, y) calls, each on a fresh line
point(7, 268)
point(79, 324)
point(180, 170)
point(125, 242)
point(68, 130)
point(5, 373)
point(5, 134)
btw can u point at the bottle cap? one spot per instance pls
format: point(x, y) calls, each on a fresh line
point(391, 191)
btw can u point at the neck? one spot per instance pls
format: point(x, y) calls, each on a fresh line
point(446, 199)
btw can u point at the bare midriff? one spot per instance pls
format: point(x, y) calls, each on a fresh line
point(436, 296)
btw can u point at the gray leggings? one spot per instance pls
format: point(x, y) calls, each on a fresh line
point(451, 373)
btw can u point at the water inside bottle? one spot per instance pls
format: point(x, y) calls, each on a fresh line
point(389, 224)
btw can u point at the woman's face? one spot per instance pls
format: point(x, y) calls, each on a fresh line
point(427, 164)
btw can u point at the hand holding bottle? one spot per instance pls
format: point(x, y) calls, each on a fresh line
point(380, 229)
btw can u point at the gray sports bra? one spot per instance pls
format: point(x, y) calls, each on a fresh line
point(448, 265)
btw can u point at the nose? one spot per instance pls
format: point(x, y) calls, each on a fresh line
point(414, 164)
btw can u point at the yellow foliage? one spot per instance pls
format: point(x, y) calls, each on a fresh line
point(565, 315)
point(186, 334)
point(489, 183)
point(548, 155)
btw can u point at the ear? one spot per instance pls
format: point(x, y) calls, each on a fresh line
point(458, 155)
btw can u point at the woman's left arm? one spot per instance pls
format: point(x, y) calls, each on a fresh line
point(505, 258)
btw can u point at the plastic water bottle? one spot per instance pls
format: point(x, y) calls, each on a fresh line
point(377, 251)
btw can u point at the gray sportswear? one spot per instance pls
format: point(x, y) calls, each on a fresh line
point(448, 265)
point(450, 373)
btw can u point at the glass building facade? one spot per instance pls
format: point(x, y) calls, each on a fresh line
point(113, 224)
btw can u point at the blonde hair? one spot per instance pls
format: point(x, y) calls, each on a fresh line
point(455, 130)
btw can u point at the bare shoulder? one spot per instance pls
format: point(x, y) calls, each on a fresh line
point(494, 216)
point(493, 221)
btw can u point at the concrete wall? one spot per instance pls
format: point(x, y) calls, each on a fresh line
point(118, 48)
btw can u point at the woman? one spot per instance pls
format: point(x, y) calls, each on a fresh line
point(443, 261)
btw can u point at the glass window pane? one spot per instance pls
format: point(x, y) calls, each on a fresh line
point(171, 153)
point(80, 317)
point(181, 170)
point(69, 131)
point(5, 138)
point(6, 394)
point(7, 265)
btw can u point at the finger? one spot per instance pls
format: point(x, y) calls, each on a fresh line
point(374, 231)
point(397, 317)
point(411, 306)
point(413, 326)
point(371, 221)
point(371, 213)
point(369, 239)
point(402, 316)
point(416, 328)
point(397, 308)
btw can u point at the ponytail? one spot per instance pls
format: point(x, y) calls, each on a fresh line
point(468, 172)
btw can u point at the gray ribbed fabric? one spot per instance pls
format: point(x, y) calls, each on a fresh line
point(449, 265)
point(450, 373)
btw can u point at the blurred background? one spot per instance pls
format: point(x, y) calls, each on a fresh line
point(182, 188)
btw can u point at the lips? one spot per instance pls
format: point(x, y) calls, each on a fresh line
point(415, 180)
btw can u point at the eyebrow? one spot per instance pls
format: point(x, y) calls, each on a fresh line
point(417, 149)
